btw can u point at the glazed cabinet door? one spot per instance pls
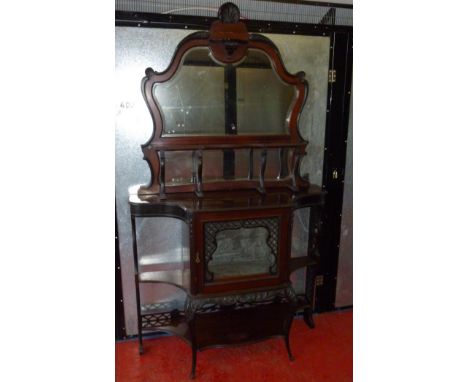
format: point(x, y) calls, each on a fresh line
point(240, 250)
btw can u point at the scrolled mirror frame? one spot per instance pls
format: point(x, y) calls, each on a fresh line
point(228, 43)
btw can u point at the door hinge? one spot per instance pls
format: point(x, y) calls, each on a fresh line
point(319, 280)
point(332, 76)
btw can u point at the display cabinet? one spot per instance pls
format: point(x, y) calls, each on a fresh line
point(225, 158)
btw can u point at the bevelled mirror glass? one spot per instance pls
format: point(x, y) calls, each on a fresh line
point(206, 98)
point(192, 102)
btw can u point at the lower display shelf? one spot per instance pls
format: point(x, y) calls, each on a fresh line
point(180, 329)
point(177, 277)
point(210, 321)
point(179, 256)
point(170, 314)
point(163, 314)
point(224, 327)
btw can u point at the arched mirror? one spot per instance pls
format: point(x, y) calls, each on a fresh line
point(205, 97)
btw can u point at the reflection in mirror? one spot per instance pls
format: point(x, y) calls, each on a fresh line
point(272, 168)
point(179, 165)
point(192, 102)
point(205, 98)
point(241, 164)
point(263, 99)
point(278, 163)
point(212, 166)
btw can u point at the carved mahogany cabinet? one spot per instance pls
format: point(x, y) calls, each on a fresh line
point(224, 157)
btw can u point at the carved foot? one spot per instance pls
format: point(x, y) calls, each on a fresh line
point(308, 319)
point(288, 348)
point(194, 363)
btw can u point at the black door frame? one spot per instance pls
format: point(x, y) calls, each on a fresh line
point(334, 164)
point(120, 332)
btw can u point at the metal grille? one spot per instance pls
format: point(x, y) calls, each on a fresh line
point(160, 314)
point(240, 301)
point(293, 12)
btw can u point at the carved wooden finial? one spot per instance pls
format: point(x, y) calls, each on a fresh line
point(229, 13)
point(149, 72)
point(301, 75)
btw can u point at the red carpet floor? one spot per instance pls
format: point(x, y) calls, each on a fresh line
point(321, 354)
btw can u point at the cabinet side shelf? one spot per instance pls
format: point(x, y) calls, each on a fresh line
point(178, 278)
point(296, 263)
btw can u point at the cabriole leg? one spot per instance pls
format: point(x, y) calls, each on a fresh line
point(308, 318)
point(311, 274)
point(193, 337)
point(288, 347)
point(194, 362)
point(286, 337)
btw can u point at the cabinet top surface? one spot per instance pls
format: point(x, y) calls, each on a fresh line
point(182, 205)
